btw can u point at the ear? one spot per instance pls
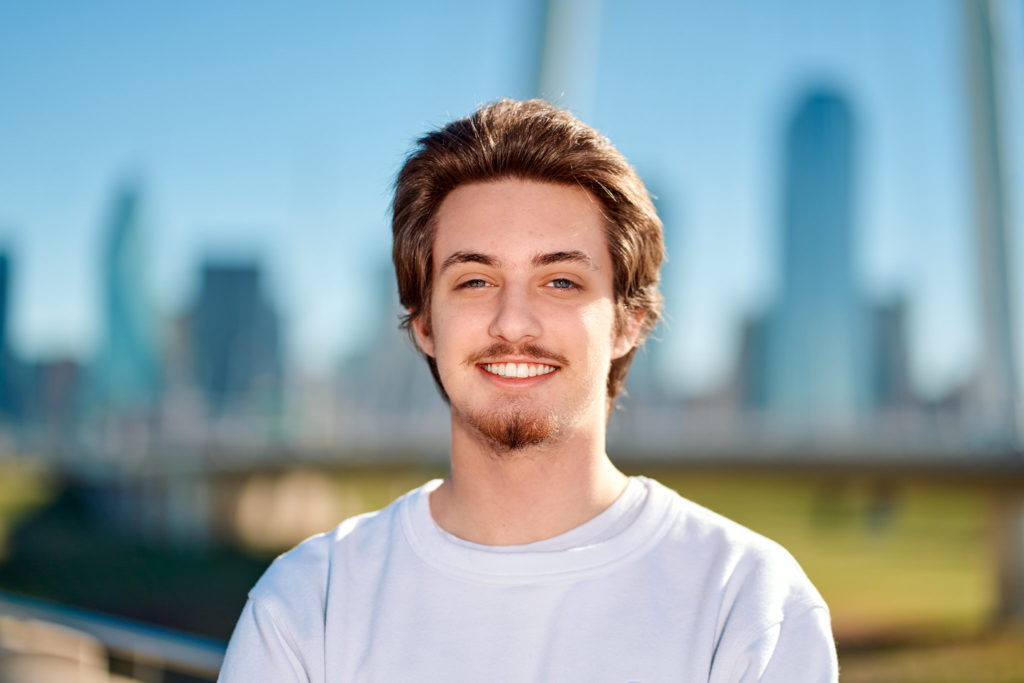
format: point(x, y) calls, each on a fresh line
point(626, 337)
point(421, 327)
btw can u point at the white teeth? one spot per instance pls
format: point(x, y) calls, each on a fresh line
point(518, 370)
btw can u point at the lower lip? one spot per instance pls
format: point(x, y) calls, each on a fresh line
point(522, 382)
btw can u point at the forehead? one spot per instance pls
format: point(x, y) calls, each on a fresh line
point(514, 219)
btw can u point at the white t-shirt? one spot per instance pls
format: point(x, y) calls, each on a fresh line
point(655, 588)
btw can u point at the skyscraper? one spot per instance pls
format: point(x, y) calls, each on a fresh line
point(8, 390)
point(236, 348)
point(816, 351)
point(125, 375)
point(891, 388)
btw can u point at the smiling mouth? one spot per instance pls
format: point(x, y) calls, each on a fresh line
point(518, 370)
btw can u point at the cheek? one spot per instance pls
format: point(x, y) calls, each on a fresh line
point(598, 324)
point(454, 326)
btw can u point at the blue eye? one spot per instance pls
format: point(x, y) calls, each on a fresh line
point(474, 284)
point(562, 283)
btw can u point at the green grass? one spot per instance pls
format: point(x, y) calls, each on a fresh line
point(23, 488)
point(996, 657)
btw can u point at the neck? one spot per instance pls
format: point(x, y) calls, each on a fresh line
point(518, 497)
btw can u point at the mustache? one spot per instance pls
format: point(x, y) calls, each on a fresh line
point(531, 351)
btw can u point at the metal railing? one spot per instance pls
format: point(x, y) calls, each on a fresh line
point(147, 647)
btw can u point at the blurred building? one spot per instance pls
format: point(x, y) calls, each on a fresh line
point(811, 354)
point(9, 385)
point(15, 373)
point(387, 394)
point(823, 357)
point(236, 343)
point(126, 373)
point(53, 405)
point(890, 386)
point(750, 363)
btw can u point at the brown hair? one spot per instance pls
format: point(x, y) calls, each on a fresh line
point(531, 140)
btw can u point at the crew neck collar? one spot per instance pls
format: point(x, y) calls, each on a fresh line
point(619, 534)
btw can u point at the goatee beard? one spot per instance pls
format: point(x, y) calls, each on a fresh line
point(512, 431)
point(513, 428)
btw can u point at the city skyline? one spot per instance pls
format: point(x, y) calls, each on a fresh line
point(297, 188)
point(824, 360)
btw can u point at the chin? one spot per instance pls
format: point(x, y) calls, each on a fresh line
point(514, 430)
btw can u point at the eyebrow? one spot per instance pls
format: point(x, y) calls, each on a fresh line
point(573, 256)
point(468, 257)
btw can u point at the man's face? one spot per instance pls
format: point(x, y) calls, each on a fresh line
point(522, 313)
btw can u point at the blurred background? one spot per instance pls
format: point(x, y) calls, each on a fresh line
point(199, 356)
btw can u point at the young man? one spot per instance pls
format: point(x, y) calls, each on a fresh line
point(527, 253)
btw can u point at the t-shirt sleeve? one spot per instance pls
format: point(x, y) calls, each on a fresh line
point(798, 649)
point(261, 650)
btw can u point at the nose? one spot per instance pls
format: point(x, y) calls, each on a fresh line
point(515, 318)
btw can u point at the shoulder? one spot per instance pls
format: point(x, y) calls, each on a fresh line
point(295, 584)
point(281, 632)
point(765, 613)
point(748, 567)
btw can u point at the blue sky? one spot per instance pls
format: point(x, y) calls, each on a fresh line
point(274, 129)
